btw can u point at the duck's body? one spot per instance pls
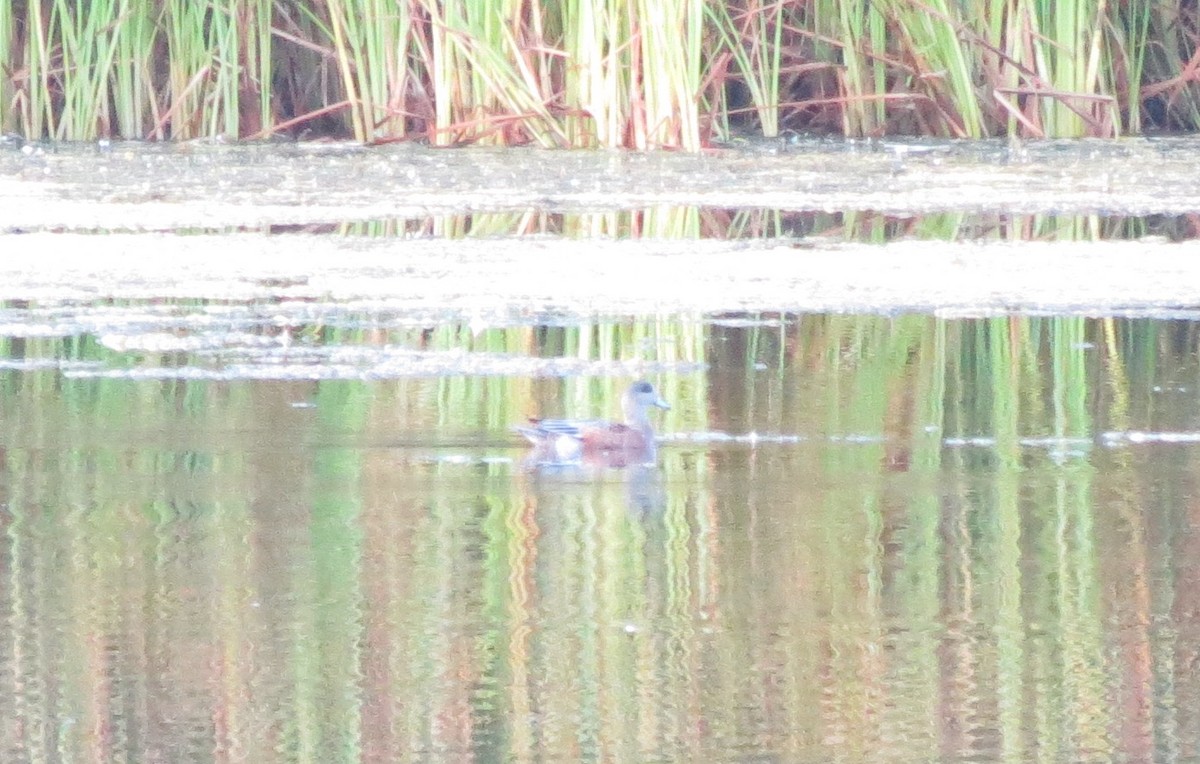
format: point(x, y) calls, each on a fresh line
point(564, 441)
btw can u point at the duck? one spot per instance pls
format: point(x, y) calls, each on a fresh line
point(615, 444)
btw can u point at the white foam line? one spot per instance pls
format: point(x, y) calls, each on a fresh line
point(1138, 436)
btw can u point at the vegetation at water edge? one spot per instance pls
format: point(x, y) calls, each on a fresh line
point(617, 73)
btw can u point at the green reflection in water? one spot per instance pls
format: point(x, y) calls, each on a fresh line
point(691, 222)
point(335, 570)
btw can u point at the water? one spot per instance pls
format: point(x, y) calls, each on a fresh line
point(926, 490)
point(141, 187)
point(867, 539)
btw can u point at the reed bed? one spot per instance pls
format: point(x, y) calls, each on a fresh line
point(644, 74)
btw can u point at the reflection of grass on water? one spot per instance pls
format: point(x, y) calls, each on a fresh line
point(156, 518)
point(995, 375)
point(690, 222)
point(608, 73)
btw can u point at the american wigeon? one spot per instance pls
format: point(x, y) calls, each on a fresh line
point(565, 441)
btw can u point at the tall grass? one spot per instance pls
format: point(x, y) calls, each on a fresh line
point(218, 68)
point(7, 57)
point(635, 73)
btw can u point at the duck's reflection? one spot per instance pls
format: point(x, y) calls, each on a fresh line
point(644, 492)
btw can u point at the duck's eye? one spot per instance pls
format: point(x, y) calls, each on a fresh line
point(643, 387)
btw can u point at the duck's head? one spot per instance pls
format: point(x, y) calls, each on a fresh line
point(638, 399)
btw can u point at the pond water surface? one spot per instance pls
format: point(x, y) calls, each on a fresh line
point(865, 539)
point(276, 510)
